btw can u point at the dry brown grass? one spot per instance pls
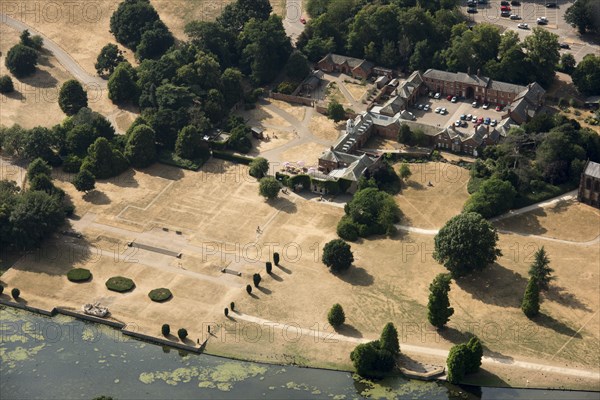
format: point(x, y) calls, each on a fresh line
point(388, 282)
point(261, 116)
point(357, 91)
point(324, 128)
point(308, 152)
point(296, 111)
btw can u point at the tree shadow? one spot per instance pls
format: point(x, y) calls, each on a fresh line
point(284, 269)
point(264, 290)
point(276, 277)
point(497, 355)
point(357, 276)
point(40, 79)
point(453, 335)
point(559, 327)
point(124, 180)
point(527, 223)
point(284, 204)
point(349, 330)
point(189, 342)
point(561, 296)
point(414, 185)
point(15, 95)
point(231, 318)
point(495, 285)
point(254, 296)
point(96, 197)
point(481, 378)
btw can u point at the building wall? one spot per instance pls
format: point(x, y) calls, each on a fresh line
point(480, 94)
point(589, 191)
point(358, 73)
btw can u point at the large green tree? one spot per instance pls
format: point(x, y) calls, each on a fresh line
point(466, 243)
point(269, 187)
point(583, 14)
point(373, 212)
point(35, 215)
point(103, 161)
point(542, 55)
point(336, 316)
point(493, 197)
point(154, 42)
point(140, 149)
point(21, 60)
point(540, 270)
point(188, 141)
point(109, 58)
point(259, 167)
point(84, 181)
point(297, 67)
point(130, 20)
point(337, 255)
point(586, 75)
point(72, 97)
point(438, 307)
point(122, 85)
point(389, 339)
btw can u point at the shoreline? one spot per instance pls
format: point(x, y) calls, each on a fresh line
point(200, 349)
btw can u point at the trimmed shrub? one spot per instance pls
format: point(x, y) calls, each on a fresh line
point(226, 312)
point(232, 306)
point(269, 267)
point(249, 289)
point(256, 278)
point(303, 180)
point(79, 275)
point(166, 330)
point(161, 294)
point(120, 284)
point(6, 84)
point(15, 293)
point(276, 258)
point(72, 164)
point(531, 300)
point(336, 316)
point(347, 229)
point(182, 333)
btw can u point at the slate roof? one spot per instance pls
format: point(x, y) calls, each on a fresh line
point(351, 61)
point(592, 169)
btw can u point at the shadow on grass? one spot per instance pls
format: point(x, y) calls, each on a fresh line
point(495, 285)
point(481, 378)
point(453, 335)
point(349, 330)
point(561, 296)
point(547, 321)
point(414, 185)
point(284, 269)
point(40, 79)
point(276, 277)
point(357, 276)
point(96, 197)
point(254, 296)
point(264, 290)
point(284, 204)
point(497, 355)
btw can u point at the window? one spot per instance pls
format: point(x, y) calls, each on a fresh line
point(596, 186)
point(588, 183)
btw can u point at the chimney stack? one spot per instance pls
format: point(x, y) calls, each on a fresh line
point(479, 72)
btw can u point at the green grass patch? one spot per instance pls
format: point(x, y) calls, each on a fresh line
point(120, 284)
point(159, 295)
point(169, 157)
point(79, 275)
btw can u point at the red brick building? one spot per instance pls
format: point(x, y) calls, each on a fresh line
point(358, 69)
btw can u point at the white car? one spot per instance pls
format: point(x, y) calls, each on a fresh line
point(474, 104)
point(420, 106)
point(494, 122)
point(426, 107)
point(457, 123)
point(437, 95)
point(486, 106)
point(523, 26)
point(474, 119)
point(443, 111)
point(542, 21)
point(469, 116)
point(454, 99)
point(515, 16)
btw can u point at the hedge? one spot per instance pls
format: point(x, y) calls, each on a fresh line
point(160, 294)
point(302, 179)
point(223, 155)
point(169, 157)
point(79, 275)
point(120, 284)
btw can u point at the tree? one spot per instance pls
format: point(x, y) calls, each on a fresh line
point(72, 97)
point(35, 42)
point(567, 63)
point(141, 147)
point(276, 258)
point(34, 215)
point(109, 58)
point(131, 19)
point(337, 255)
point(269, 187)
point(256, 278)
point(389, 339)
point(335, 111)
point(38, 167)
point(182, 333)
point(466, 234)
point(346, 228)
point(187, 142)
point(581, 15)
point(457, 363)
point(259, 167)
point(21, 60)
point(103, 161)
point(122, 86)
point(373, 212)
point(540, 270)
point(79, 139)
point(249, 289)
point(438, 307)
point(531, 299)
point(493, 197)
point(364, 358)
point(165, 330)
point(586, 75)
point(15, 293)
point(269, 267)
point(542, 55)
point(405, 172)
point(154, 42)
point(404, 134)
point(239, 139)
point(297, 67)
point(42, 183)
point(336, 316)
point(475, 355)
point(84, 181)
point(231, 79)
point(6, 84)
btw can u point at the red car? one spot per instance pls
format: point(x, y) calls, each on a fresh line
point(302, 21)
point(498, 108)
point(505, 8)
point(479, 120)
point(449, 97)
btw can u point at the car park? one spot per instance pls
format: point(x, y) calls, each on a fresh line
point(485, 106)
point(523, 26)
point(437, 95)
point(474, 104)
point(514, 16)
point(454, 99)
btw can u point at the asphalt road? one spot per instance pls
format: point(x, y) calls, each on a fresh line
point(291, 23)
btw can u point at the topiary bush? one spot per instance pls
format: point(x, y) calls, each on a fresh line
point(226, 312)
point(166, 330)
point(79, 275)
point(249, 289)
point(231, 305)
point(159, 295)
point(120, 284)
point(15, 293)
point(182, 333)
point(276, 259)
point(256, 278)
point(269, 267)
point(6, 84)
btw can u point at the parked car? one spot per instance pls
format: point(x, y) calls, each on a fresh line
point(564, 45)
point(514, 16)
point(505, 13)
point(479, 120)
point(505, 8)
point(550, 5)
point(449, 97)
point(454, 99)
point(474, 104)
point(443, 111)
point(471, 3)
point(463, 117)
point(426, 107)
point(474, 119)
point(523, 26)
point(487, 120)
point(437, 95)
point(469, 116)
point(504, 3)
point(485, 106)
point(464, 123)
point(494, 122)
point(457, 123)
point(515, 3)
point(472, 10)
point(420, 106)
point(438, 109)
point(542, 21)
point(498, 108)
point(302, 20)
